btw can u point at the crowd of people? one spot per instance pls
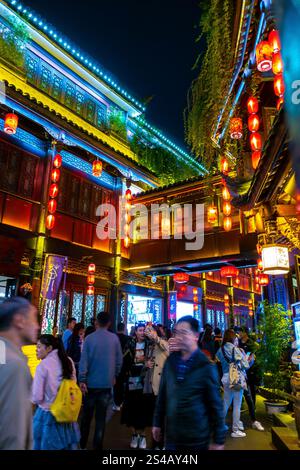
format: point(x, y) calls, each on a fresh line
point(180, 383)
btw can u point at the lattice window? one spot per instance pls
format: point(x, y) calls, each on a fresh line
point(57, 85)
point(63, 198)
point(77, 306)
point(63, 309)
point(101, 115)
point(79, 102)
point(73, 195)
point(96, 201)
point(100, 305)
point(90, 111)
point(89, 309)
point(27, 176)
point(45, 82)
point(48, 316)
point(69, 95)
point(85, 200)
point(31, 69)
point(10, 163)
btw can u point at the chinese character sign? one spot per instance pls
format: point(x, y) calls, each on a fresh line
point(172, 302)
point(53, 271)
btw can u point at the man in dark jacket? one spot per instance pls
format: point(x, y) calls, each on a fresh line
point(189, 401)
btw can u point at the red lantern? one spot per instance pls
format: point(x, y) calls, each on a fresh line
point(195, 291)
point(128, 195)
point(250, 303)
point(11, 123)
point(264, 56)
point(55, 175)
point(227, 224)
point(91, 279)
point(97, 168)
point(280, 102)
point(53, 191)
point(90, 290)
point(227, 311)
point(256, 141)
point(257, 287)
point(212, 215)
point(237, 281)
point(229, 271)
point(226, 297)
point(195, 299)
point(279, 85)
point(252, 105)
point(263, 279)
point(277, 66)
point(195, 308)
point(226, 208)
point(224, 166)
point(257, 280)
point(260, 264)
point(226, 194)
point(52, 205)
point(255, 158)
point(50, 221)
point(57, 161)
point(236, 128)
point(250, 313)
point(181, 278)
point(210, 273)
point(92, 268)
point(274, 41)
point(253, 123)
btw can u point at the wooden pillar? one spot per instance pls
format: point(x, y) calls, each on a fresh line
point(203, 285)
point(230, 289)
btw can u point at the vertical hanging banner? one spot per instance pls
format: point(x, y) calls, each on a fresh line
point(172, 303)
point(52, 276)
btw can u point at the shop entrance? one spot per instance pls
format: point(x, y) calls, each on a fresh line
point(8, 287)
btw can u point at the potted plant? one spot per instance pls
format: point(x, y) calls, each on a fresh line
point(275, 331)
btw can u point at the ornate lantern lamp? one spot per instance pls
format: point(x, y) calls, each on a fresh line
point(236, 128)
point(181, 278)
point(229, 271)
point(264, 56)
point(275, 259)
point(11, 123)
point(212, 214)
point(97, 168)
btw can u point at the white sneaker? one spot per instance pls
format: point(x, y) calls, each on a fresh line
point(238, 433)
point(241, 426)
point(134, 441)
point(116, 408)
point(258, 426)
point(142, 442)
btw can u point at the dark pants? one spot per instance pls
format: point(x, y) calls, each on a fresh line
point(176, 448)
point(119, 391)
point(97, 399)
point(250, 404)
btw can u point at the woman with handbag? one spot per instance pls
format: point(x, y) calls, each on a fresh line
point(234, 364)
point(55, 366)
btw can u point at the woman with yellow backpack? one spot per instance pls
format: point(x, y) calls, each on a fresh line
point(57, 396)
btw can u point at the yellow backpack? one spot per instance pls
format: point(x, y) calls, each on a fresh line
point(67, 404)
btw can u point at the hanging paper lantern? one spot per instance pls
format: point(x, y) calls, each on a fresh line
point(280, 102)
point(53, 191)
point(57, 161)
point(250, 313)
point(226, 297)
point(90, 290)
point(279, 85)
point(252, 105)
point(236, 128)
point(256, 141)
point(260, 265)
point(50, 221)
point(210, 273)
point(227, 311)
point(277, 65)
point(92, 268)
point(97, 168)
point(195, 291)
point(253, 123)
point(226, 208)
point(55, 175)
point(257, 287)
point(128, 195)
point(91, 279)
point(229, 271)
point(52, 205)
point(224, 166)
point(255, 158)
point(263, 279)
point(275, 259)
point(181, 277)
point(126, 242)
point(237, 281)
point(195, 299)
point(264, 56)
point(227, 224)
point(11, 123)
point(274, 41)
point(212, 214)
point(226, 194)
point(250, 303)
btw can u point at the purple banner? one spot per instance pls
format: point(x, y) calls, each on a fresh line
point(53, 271)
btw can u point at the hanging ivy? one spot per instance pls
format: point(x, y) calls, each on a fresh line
point(13, 39)
point(117, 123)
point(208, 91)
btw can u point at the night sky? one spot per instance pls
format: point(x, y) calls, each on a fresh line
point(147, 45)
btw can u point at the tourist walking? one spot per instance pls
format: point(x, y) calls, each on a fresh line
point(189, 400)
point(18, 327)
point(227, 354)
point(206, 343)
point(67, 333)
point(100, 364)
point(55, 366)
point(119, 388)
point(75, 344)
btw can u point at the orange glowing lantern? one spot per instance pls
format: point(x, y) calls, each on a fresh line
point(128, 195)
point(277, 66)
point(97, 168)
point(90, 290)
point(274, 41)
point(256, 141)
point(126, 242)
point(50, 221)
point(250, 313)
point(57, 161)
point(260, 265)
point(91, 279)
point(253, 123)
point(227, 311)
point(226, 297)
point(263, 279)
point(255, 158)
point(226, 194)
point(229, 271)
point(55, 175)
point(236, 128)
point(280, 102)
point(212, 214)
point(210, 273)
point(195, 299)
point(227, 224)
point(52, 205)
point(257, 279)
point(264, 56)
point(250, 303)
point(224, 166)
point(279, 85)
point(92, 268)
point(237, 281)
point(181, 278)
point(252, 105)
point(195, 291)
point(53, 191)
point(195, 308)
point(226, 208)
point(257, 287)
point(11, 123)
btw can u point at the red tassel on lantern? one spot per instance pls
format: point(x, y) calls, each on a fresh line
point(280, 102)
point(253, 123)
point(252, 105)
point(50, 221)
point(256, 141)
point(255, 158)
point(11, 123)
